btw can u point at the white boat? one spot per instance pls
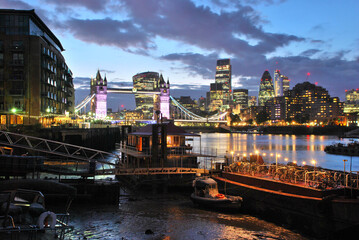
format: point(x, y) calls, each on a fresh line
point(206, 194)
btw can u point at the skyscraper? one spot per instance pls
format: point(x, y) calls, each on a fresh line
point(146, 81)
point(281, 83)
point(252, 101)
point(266, 90)
point(221, 91)
point(351, 104)
point(240, 97)
point(35, 82)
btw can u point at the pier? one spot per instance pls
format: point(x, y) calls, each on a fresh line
point(72, 164)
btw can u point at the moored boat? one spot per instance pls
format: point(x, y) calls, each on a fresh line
point(312, 201)
point(23, 216)
point(350, 149)
point(206, 195)
point(161, 155)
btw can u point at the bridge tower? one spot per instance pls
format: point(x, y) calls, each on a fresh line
point(99, 102)
point(164, 103)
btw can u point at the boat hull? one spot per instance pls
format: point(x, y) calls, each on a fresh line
point(319, 215)
point(217, 203)
point(342, 150)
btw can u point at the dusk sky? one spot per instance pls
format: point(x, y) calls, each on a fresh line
point(182, 39)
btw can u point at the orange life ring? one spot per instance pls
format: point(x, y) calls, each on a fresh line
point(219, 195)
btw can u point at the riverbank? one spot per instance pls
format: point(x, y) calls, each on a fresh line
point(168, 216)
point(291, 130)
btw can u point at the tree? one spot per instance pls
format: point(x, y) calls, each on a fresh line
point(249, 121)
point(301, 118)
point(262, 117)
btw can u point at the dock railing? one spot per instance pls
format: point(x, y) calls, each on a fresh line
point(308, 176)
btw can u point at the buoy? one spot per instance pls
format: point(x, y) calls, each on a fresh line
point(219, 195)
point(47, 219)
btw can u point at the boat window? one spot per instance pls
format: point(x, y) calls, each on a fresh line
point(169, 141)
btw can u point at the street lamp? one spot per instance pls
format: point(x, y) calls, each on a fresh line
point(344, 161)
point(276, 161)
point(13, 110)
point(314, 163)
point(257, 152)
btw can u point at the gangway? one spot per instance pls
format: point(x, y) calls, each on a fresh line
point(151, 171)
point(65, 150)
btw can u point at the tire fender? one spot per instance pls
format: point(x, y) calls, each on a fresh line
point(50, 222)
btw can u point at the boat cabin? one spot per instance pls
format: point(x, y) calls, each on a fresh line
point(160, 145)
point(205, 187)
point(175, 137)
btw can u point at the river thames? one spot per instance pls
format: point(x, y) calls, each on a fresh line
point(299, 148)
point(173, 216)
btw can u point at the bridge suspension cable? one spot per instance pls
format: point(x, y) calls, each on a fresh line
point(186, 111)
point(84, 102)
point(217, 116)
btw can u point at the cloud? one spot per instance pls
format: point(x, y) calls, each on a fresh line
point(107, 71)
point(198, 25)
point(15, 4)
point(309, 52)
point(122, 34)
point(93, 5)
point(195, 63)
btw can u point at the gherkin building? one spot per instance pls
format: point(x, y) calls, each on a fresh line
point(266, 89)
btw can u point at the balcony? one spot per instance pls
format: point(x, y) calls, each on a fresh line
point(68, 94)
point(16, 77)
point(17, 62)
point(16, 92)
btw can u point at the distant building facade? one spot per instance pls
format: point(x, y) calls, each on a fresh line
point(146, 81)
point(266, 89)
point(240, 97)
point(221, 90)
point(351, 104)
point(252, 101)
point(35, 82)
point(313, 102)
point(281, 83)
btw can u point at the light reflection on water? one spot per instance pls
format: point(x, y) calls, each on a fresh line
point(170, 217)
point(293, 147)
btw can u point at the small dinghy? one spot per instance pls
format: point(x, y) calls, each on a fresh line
point(206, 195)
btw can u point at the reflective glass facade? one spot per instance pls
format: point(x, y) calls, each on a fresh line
point(146, 81)
point(266, 89)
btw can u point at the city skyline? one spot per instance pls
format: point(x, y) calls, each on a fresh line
point(183, 40)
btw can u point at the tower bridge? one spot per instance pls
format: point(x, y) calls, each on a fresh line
point(97, 99)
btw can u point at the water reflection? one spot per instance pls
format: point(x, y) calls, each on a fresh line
point(295, 148)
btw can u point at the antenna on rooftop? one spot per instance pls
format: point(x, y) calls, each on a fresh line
point(308, 74)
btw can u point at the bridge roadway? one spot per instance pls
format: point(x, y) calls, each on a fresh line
point(183, 120)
